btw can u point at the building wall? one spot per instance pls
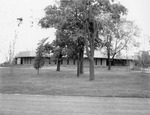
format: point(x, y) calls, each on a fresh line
point(25, 60)
point(18, 61)
point(131, 64)
point(98, 62)
point(104, 62)
point(72, 62)
point(65, 61)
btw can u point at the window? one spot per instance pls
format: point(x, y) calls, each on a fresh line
point(101, 61)
point(24, 60)
point(95, 61)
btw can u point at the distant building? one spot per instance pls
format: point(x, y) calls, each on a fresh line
point(27, 58)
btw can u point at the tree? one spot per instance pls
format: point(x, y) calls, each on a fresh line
point(74, 47)
point(40, 52)
point(92, 25)
point(121, 37)
point(55, 18)
point(83, 17)
point(57, 48)
point(75, 50)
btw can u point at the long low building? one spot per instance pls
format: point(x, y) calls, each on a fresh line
point(27, 58)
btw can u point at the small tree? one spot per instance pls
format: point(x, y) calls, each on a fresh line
point(39, 59)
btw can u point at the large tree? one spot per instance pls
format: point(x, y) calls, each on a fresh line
point(119, 36)
point(83, 16)
point(74, 45)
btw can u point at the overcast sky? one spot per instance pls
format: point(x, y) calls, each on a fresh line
point(30, 10)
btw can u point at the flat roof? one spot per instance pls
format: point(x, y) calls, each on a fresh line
point(97, 54)
point(26, 54)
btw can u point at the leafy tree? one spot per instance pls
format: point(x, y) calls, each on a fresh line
point(91, 25)
point(119, 36)
point(55, 18)
point(57, 48)
point(74, 48)
point(83, 17)
point(60, 47)
point(40, 52)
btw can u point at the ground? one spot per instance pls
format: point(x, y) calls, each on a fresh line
point(119, 82)
point(12, 104)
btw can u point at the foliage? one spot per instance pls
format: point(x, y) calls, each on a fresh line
point(57, 48)
point(40, 52)
point(83, 20)
point(123, 36)
point(119, 36)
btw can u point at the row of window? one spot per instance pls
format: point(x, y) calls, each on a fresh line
point(69, 61)
point(97, 61)
point(62, 61)
point(30, 61)
point(27, 60)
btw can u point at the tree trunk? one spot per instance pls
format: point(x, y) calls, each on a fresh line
point(109, 64)
point(90, 54)
point(91, 67)
point(81, 67)
point(78, 67)
point(91, 59)
point(108, 54)
point(109, 60)
point(81, 61)
point(89, 43)
point(58, 65)
point(59, 62)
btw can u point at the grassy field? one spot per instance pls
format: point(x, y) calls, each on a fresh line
point(114, 83)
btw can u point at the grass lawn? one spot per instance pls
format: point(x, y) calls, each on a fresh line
point(114, 83)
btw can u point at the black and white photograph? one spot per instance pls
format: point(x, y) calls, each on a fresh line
point(75, 57)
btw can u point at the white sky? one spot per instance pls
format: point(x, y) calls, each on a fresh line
point(29, 10)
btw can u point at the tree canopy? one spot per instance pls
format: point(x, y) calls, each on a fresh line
point(83, 19)
point(40, 53)
point(119, 36)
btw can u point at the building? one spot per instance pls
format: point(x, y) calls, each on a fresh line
point(27, 58)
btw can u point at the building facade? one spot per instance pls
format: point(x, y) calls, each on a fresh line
point(27, 58)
